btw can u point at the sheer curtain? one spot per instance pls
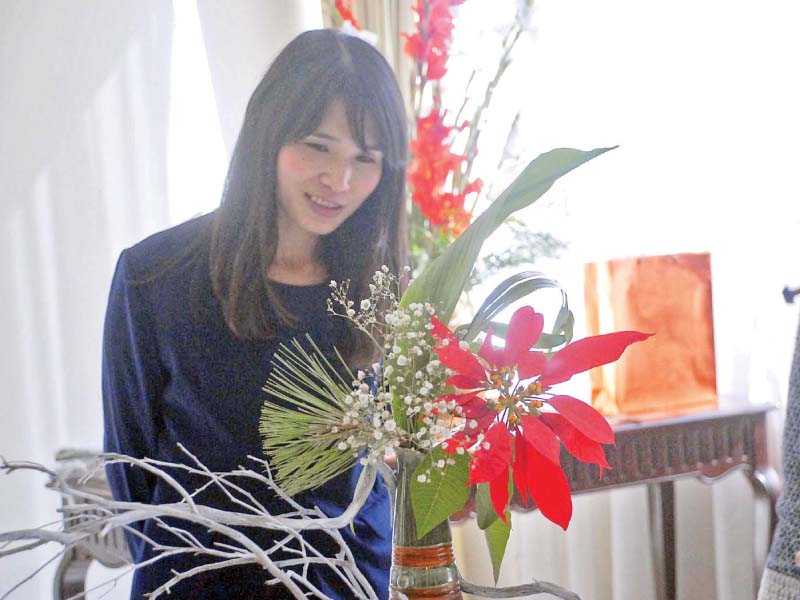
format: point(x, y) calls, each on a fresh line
point(388, 19)
point(84, 120)
point(97, 155)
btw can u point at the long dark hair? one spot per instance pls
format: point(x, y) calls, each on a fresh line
point(289, 103)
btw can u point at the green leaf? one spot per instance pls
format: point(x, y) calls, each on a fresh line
point(565, 321)
point(548, 340)
point(483, 504)
point(568, 327)
point(510, 283)
point(399, 411)
point(509, 291)
point(444, 492)
point(443, 280)
point(497, 538)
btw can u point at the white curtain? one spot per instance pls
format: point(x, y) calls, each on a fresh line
point(87, 126)
point(83, 116)
point(388, 19)
point(241, 39)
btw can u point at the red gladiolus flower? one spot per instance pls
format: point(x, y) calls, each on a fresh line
point(505, 394)
point(343, 8)
point(428, 45)
point(431, 165)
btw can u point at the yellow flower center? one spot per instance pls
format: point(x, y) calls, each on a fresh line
point(533, 389)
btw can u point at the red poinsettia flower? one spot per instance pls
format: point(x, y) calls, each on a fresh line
point(505, 400)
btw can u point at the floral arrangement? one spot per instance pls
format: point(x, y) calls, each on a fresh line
point(479, 413)
point(458, 410)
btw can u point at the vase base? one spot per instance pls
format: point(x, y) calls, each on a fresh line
point(450, 591)
point(438, 555)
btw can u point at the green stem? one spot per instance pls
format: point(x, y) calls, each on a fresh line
point(474, 132)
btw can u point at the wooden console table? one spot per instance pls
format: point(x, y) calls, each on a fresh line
point(656, 452)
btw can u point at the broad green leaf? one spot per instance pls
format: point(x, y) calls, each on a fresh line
point(443, 280)
point(444, 492)
point(497, 538)
point(483, 505)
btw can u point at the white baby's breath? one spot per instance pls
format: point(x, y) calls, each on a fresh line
point(409, 369)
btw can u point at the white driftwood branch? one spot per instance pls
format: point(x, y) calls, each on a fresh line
point(528, 589)
point(242, 549)
point(83, 523)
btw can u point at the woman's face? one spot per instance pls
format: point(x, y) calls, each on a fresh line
point(324, 177)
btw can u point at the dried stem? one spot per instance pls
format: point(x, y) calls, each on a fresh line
point(460, 179)
point(539, 587)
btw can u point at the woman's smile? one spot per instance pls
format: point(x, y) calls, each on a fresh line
point(324, 207)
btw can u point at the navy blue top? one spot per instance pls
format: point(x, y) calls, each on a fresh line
point(174, 372)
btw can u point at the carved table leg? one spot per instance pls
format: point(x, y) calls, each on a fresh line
point(70, 578)
point(766, 485)
point(661, 504)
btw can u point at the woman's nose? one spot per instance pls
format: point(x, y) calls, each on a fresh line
point(337, 176)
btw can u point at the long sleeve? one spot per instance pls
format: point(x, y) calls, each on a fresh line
point(132, 380)
point(174, 373)
point(781, 579)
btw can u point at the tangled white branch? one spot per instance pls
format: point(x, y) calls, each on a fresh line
point(99, 515)
point(92, 514)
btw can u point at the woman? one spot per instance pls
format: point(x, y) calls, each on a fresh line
point(314, 192)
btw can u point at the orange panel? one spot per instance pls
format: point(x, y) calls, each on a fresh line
point(670, 296)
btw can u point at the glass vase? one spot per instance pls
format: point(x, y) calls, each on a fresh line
point(422, 568)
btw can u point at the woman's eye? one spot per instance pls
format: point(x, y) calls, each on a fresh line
point(317, 147)
point(366, 158)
